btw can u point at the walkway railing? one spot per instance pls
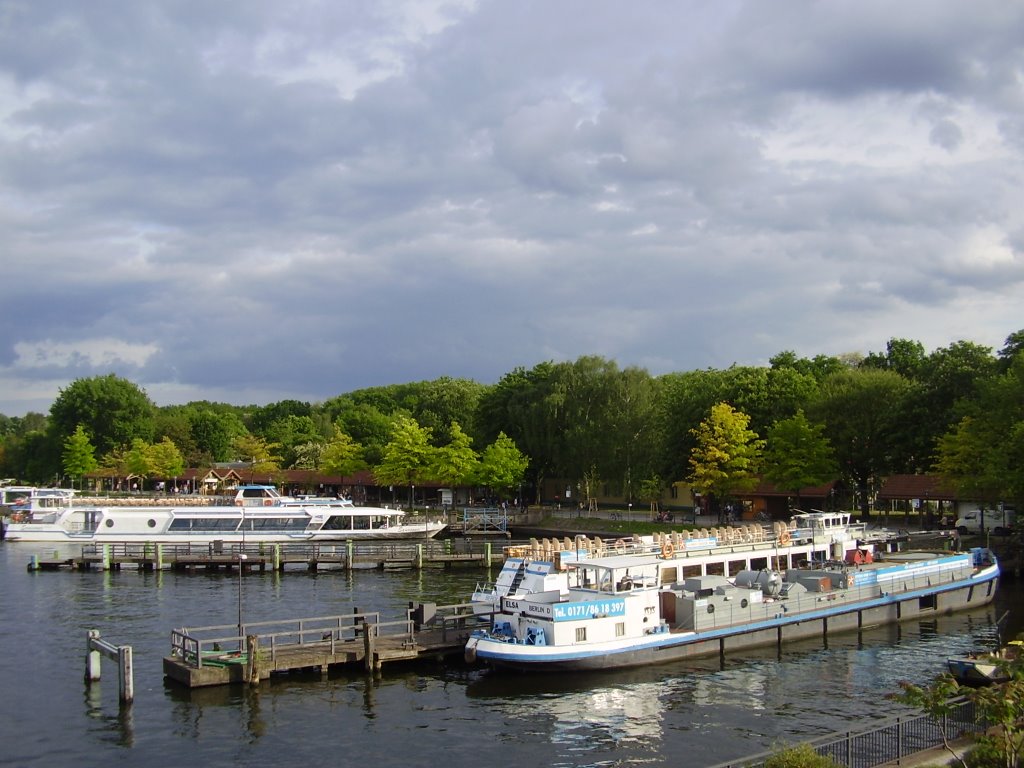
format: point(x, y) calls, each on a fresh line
point(889, 741)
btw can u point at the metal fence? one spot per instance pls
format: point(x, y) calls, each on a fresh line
point(889, 741)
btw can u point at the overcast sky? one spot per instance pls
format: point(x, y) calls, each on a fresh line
point(262, 200)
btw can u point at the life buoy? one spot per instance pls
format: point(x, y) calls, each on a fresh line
point(667, 550)
point(268, 502)
point(785, 538)
point(239, 503)
point(620, 545)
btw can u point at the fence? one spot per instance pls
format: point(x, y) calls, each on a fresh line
point(889, 741)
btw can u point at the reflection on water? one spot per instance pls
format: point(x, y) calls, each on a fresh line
point(691, 713)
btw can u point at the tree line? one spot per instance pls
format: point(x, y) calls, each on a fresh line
point(957, 411)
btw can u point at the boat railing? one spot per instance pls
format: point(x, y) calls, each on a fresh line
point(800, 605)
point(223, 551)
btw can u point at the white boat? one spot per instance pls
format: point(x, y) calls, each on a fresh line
point(987, 668)
point(633, 609)
point(257, 514)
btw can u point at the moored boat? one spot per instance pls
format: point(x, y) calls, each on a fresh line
point(257, 514)
point(632, 609)
point(976, 669)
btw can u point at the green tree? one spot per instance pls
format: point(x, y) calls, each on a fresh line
point(797, 454)
point(113, 411)
point(407, 456)
point(342, 455)
point(213, 432)
point(981, 456)
point(1000, 705)
point(727, 456)
point(456, 463)
point(521, 406)
point(138, 461)
point(502, 465)
point(165, 460)
point(79, 454)
point(858, 408)
point(260, 454)
point(650, 491)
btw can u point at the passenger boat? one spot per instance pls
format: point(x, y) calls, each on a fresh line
point(976, 669)
point(257, 514)
point(623, 609)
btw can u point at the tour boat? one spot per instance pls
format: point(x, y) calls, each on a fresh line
point(632, 608)
point(257, 514)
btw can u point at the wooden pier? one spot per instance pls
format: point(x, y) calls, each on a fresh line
point(196, 558)
point(252, 652)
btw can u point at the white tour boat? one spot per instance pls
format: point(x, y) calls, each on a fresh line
point(257, 514)
point(700, 596)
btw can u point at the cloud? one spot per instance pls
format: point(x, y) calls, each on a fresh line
point(251, 201)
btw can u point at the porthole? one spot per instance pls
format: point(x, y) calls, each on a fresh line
point(743, 603)
point(109, 523)
point(151, 523)
point(711, 608)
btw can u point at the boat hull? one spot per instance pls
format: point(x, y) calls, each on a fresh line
point(848, 615)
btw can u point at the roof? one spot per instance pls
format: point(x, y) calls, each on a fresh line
point(925, 487)
point(765, 488)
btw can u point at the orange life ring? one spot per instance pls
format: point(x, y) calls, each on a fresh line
point(268, 502)
point(785, 538)
point(239, 503)
point(620, 545)
point(667, 550)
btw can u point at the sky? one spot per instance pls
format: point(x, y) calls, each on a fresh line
point(251, 201)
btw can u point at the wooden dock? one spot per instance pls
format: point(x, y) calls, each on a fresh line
point(252, 652)
point(196, 558)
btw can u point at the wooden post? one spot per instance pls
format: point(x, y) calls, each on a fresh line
point(252, 665)
point(369, 635)
point(159, 557)
point(277, 557)
point(419, 556)
point(106, 558)
point(349, 548)
point(487, 554)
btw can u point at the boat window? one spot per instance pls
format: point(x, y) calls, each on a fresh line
point(151, 523)
point(109, 523)
point(581, 634)
point(338, 523)
point(620, 629)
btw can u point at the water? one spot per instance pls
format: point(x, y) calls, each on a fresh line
point(693, 714)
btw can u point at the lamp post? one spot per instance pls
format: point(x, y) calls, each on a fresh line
point(241, 560)
point(241, 569)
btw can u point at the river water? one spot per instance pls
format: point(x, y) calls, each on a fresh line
point(692, 714)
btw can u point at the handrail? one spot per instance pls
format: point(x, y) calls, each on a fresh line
point(888, 741)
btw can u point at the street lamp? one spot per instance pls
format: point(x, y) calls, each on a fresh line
point(241, 560)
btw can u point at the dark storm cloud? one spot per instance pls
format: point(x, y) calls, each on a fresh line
point(256, 201)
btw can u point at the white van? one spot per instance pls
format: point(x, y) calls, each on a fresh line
point(998, 521)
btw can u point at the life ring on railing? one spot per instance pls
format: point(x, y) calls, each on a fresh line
point(620, 545)
point(785, 538)
point(268, 502)
point(667, 550)
point(239, 503)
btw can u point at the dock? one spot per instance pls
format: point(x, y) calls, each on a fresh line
point(255, 651)
point(205, 558)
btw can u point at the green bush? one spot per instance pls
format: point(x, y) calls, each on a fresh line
point(987, 752)
point(800, 756)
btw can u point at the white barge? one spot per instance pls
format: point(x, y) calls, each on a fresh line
point(257, 514)
point(638, 608)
